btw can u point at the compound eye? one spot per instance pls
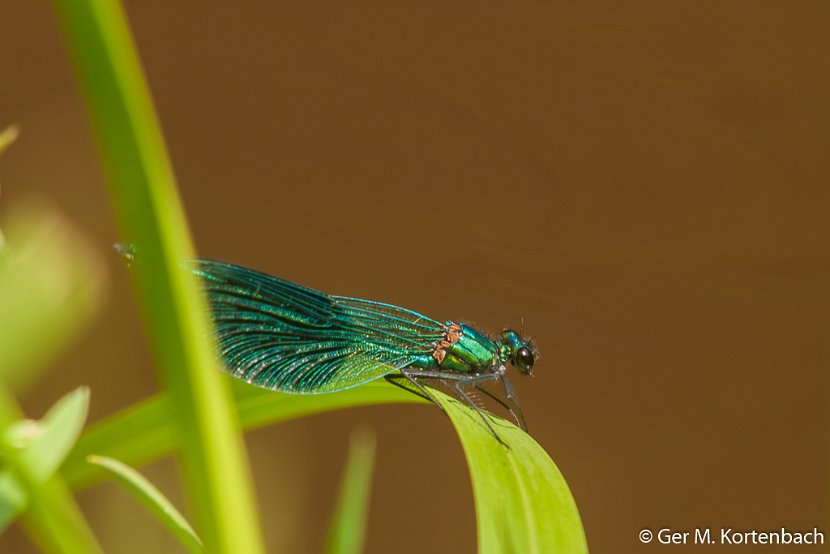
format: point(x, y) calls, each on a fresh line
point(524, 360)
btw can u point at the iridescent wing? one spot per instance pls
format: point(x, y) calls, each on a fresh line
point(285, 337)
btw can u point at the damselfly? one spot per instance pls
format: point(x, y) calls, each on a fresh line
point(282, 336)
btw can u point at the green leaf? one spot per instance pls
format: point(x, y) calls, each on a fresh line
point(523, 503)
point(44, 445)
point(50, 285)
point(150, 213)
point(152, 498)
point(147, 431)
point(32, 451)
point(348, 527)
point(38, 448)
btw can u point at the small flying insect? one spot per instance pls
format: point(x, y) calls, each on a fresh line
point(281, 336)
point(127, 251)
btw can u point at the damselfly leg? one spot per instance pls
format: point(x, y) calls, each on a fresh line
point(520, 419)
point(460, 382)
point(508, 392)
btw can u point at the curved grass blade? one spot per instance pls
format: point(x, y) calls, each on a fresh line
point(146, 431)
point(348, 526)
point(150, 213)
point(523, 503)
point(152, 498)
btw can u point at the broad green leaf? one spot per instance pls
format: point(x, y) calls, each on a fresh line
point(348, 526)
point(152, 498)
point(523, 503)
point(50, 284)
point(38, 448)
point(147, 430)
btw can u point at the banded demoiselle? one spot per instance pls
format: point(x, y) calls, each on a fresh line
point(285, 337)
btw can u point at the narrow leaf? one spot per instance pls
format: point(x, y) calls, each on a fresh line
point(44, 445)
point(38, 448)
point(147, 431)
point(348, 527)
point(151, 215)
point(523, 503)
point(146, 493)
point(52, 518)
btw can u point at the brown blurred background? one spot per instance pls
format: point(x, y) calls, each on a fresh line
point(644, 186)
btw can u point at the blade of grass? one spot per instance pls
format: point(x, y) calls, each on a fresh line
point(348, 527)
point(152, 498)
point(523, 503)
point(151, 216)
point(146, 432)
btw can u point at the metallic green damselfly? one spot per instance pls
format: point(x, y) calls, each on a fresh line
point(282, 336)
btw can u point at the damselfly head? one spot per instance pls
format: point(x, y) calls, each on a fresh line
point(518, 351)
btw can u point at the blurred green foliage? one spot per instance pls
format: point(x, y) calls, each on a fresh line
point(51, 283)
